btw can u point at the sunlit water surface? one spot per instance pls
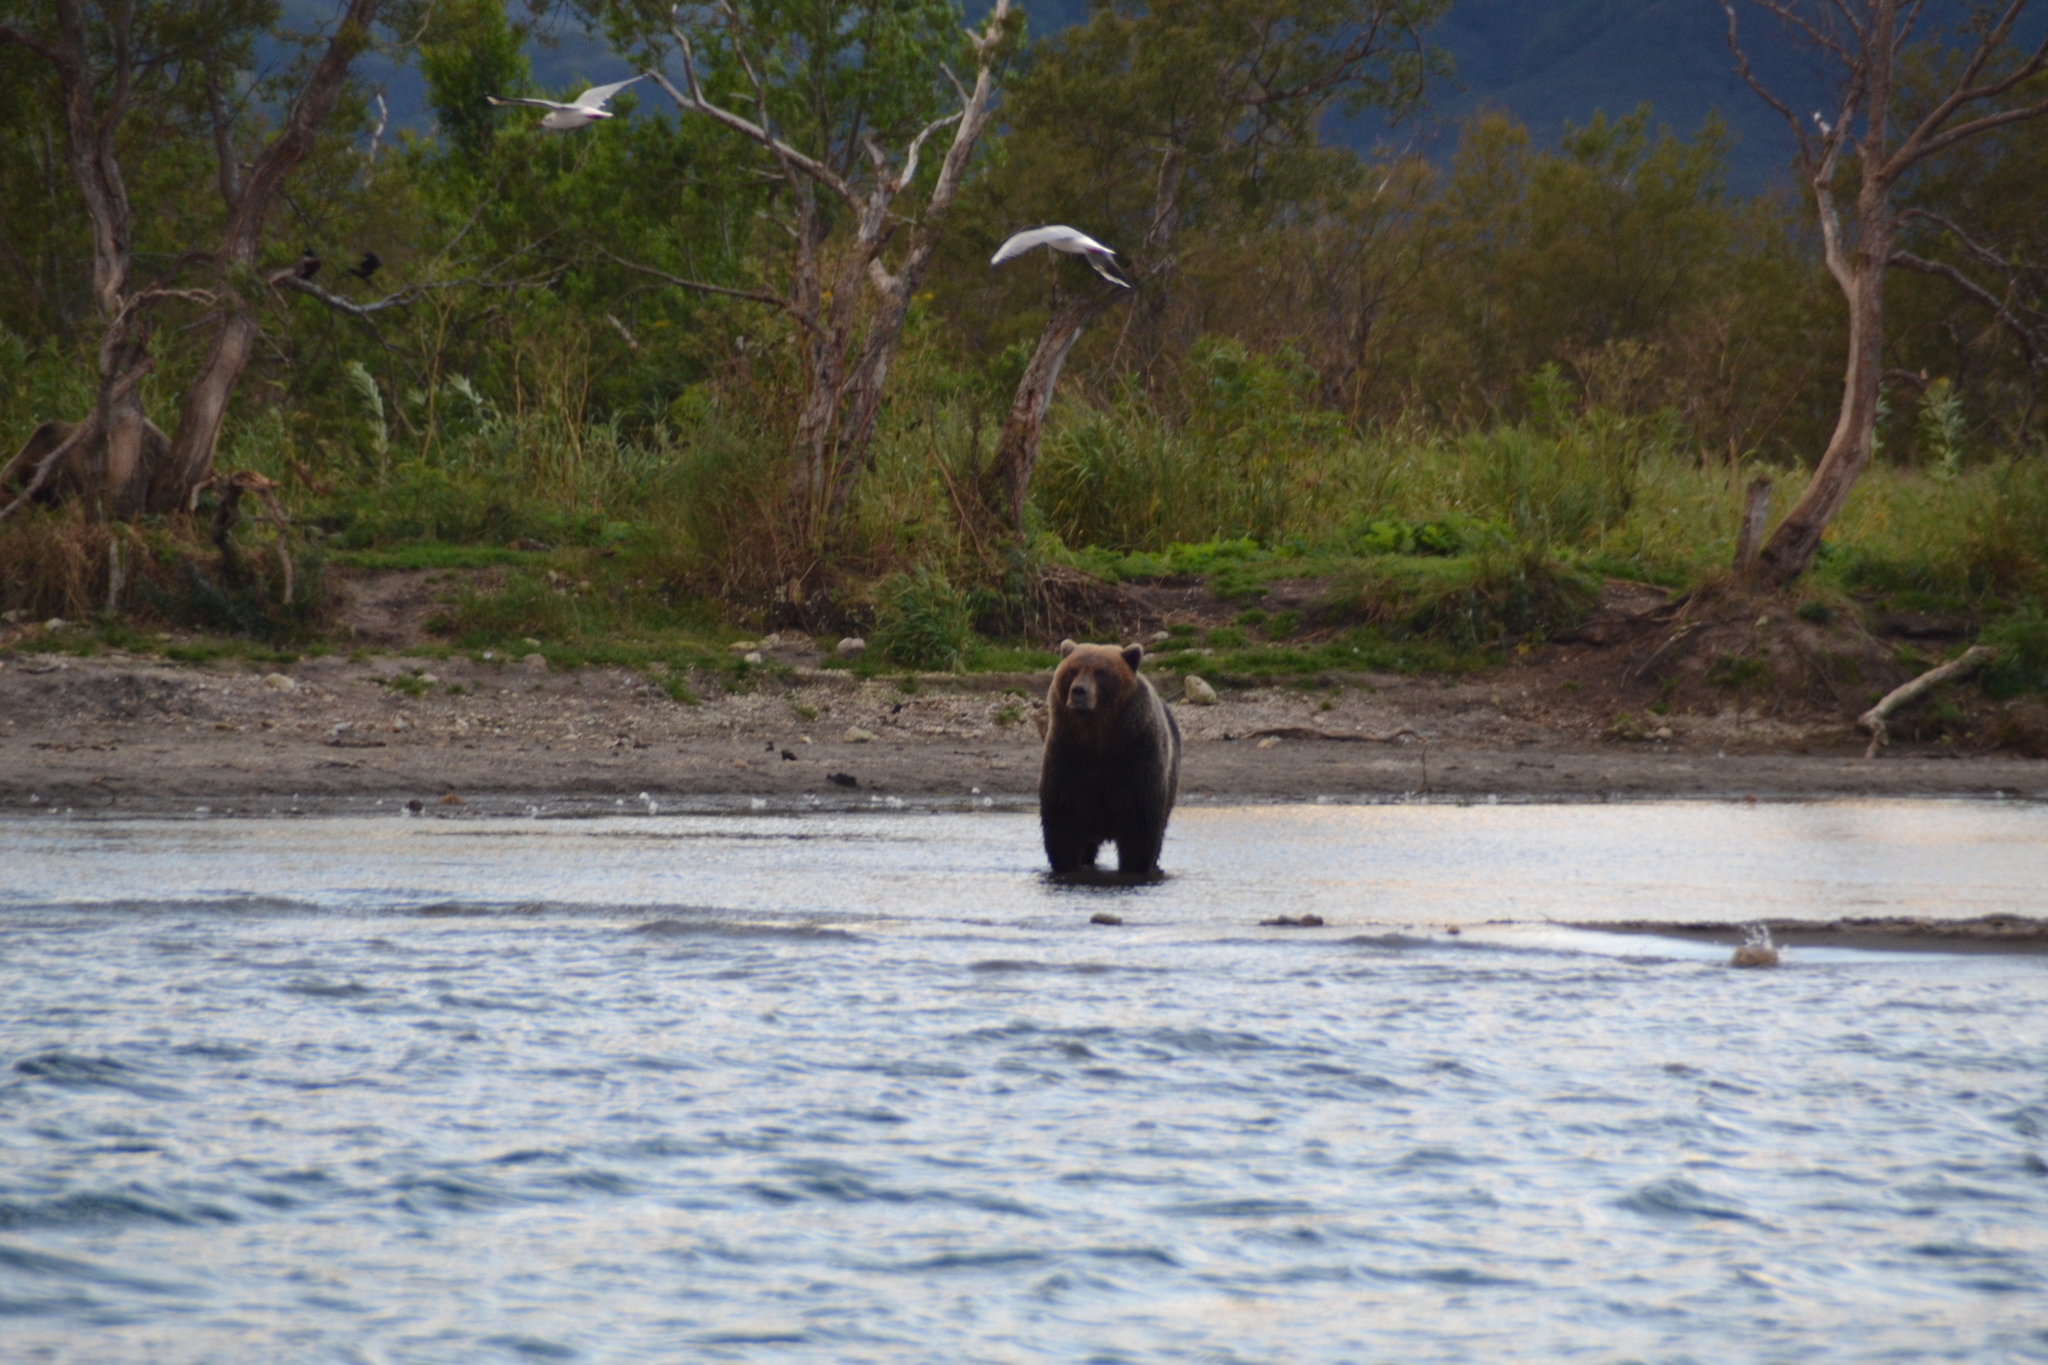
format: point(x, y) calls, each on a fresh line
point(865, 1087)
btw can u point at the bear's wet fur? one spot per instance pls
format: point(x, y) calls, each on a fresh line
point(1112, 762)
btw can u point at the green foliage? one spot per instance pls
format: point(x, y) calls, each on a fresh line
point(1393, 536)
point(923, 621)
point(1940, 429)
point(2021, 665)
point(471, 51)
point(1249, 447)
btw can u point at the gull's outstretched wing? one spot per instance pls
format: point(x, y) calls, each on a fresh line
point(1058, 237)
point(1062, 238)
point(597, 95)
point(534, 104)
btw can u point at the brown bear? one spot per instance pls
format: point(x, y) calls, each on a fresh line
point(1112, 762)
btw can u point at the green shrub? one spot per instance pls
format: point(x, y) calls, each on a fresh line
point(923, 621)
point(2022, 663)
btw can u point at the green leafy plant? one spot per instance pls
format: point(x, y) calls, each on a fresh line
point(923, 621)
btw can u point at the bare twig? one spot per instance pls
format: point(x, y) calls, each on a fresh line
point(764, 296)
point(1943, 270)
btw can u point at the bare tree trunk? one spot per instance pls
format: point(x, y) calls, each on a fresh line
point(1006, 483)
point(1792, 546)
point(1756, 514)
point(190, 461)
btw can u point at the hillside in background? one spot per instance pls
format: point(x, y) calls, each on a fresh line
point(1552, 62)
point(1546, 62)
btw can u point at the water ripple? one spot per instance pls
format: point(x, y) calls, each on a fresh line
point(645, 1099)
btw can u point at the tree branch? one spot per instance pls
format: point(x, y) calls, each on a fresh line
point(761, 296)
point(695, 103)
point(1923, 141)
point(410, 294)
point(51, 54)
point(1943, 270)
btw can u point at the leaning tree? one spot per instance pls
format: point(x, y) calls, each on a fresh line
point(1151, 110)
point(117, 64)
point(1855, 157)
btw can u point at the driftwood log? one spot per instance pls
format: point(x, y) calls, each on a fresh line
point(1873, 720)
point(1340, 736)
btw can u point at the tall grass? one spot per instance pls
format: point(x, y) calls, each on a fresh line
point(1234, 452)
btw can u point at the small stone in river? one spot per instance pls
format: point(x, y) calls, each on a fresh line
point(1291, 922)
point(278, 682)
point(788, 757)
point(842, 779)
point(1270, 742)
point(1103, 917)
point(451, 799)
point(856, 735)
point(534, 663)
point(850, 646)
point(1661, 732)
point(1197, 692)
point(415, 805)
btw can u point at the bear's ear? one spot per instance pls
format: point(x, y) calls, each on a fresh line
point(1067, 647)
point(1133, 653)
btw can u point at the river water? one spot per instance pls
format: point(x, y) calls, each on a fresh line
point(851, 1086)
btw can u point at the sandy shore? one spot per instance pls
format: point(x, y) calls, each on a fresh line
point(136, 733)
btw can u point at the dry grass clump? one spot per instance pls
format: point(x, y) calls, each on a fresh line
point(62, 564)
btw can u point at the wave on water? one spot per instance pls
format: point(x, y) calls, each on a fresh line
point(225, 903)
point(734, 929)
point(77, 1070)
point(89, 1207)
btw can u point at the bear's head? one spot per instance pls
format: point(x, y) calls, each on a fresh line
point(1095, 680)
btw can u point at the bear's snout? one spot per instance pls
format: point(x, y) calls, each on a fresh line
point(1082, 695)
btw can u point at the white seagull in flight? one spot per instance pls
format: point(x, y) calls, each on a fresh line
point(588, 108)
point(1068, 240)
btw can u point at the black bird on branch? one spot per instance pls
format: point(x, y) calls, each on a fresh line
point(309, 264)
point(367, 266)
